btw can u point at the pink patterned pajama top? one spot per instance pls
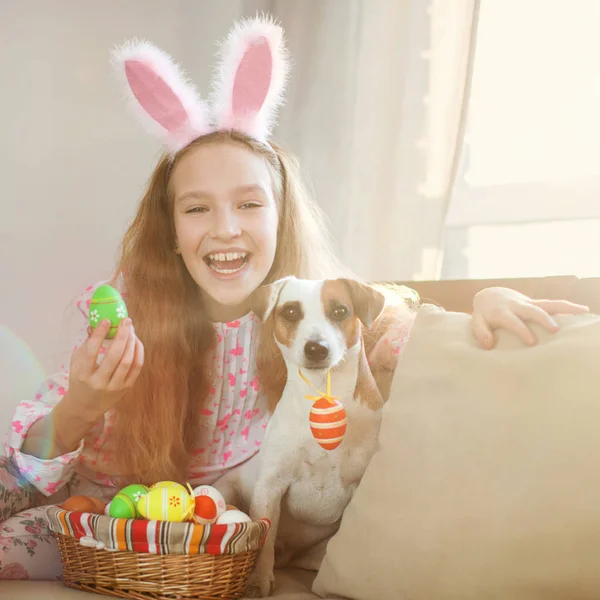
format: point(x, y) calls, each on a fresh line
point(231, 427)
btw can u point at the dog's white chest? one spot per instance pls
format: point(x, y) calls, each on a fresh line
point(321, 482)
point(317, 494)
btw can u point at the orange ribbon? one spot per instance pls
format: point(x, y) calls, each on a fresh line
point(331, 399)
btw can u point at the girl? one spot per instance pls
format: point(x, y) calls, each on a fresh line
point(224, 212)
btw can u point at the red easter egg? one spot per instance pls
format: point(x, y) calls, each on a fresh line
point(205, 509)
point(328, 423)
point(209, 504)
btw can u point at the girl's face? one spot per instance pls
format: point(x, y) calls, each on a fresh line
point(225, 224)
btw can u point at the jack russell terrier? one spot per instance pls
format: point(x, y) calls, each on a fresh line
point(299, 486)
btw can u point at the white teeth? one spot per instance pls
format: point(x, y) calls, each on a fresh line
point(221, 257)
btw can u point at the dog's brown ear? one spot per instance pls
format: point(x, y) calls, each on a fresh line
point(368, 302)
point(264, 299)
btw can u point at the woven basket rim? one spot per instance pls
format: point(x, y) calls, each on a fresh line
point(151, 577)
point(107, 532)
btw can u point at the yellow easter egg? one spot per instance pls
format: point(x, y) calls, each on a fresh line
point(167, 504)
point(168, 484)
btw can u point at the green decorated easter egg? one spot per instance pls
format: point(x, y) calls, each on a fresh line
point(135, 491)
point(107, 303)
point(124, 504)
point(122, 507)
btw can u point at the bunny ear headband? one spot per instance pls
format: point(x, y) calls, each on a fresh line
point(248, 87)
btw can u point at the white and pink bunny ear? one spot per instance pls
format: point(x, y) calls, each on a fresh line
point(160, 94)
point(248, 88)
point(251, 78)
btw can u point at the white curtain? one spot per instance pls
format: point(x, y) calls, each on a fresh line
point(375, 111)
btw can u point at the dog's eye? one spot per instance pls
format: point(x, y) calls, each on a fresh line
point(290, 313)
point(339, 313)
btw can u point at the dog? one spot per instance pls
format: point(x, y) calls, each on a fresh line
point(299, 486)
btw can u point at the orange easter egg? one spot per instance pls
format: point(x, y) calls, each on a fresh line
point(100, 505)
point(80, 504)
point(328, 423)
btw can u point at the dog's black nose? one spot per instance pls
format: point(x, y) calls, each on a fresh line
point(316, 351)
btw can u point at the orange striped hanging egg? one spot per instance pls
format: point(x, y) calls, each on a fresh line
point(328, 423)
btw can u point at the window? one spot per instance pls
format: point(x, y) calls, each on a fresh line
point(527, 197)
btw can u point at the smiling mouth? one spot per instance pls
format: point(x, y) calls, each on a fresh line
point(227, 263)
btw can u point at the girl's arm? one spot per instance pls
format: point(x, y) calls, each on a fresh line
point(61, 431)
point(493, 308)
point(384, 343)
point(32, 443)
point(46, 435)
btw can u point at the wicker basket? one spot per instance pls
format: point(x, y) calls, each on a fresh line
point(152, 576)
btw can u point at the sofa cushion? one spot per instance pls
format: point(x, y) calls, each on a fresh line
point(487, 484)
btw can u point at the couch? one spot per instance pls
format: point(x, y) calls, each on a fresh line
point(455, 296)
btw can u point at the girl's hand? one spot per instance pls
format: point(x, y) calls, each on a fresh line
point(100, 386)
point(503, 308)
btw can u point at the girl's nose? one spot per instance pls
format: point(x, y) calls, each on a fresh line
point(226, 225)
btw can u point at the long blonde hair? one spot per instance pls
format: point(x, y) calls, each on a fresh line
point(157, 422)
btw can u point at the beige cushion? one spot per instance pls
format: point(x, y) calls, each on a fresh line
point(487, 485)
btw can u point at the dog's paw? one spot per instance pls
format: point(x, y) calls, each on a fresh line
point(260, 585)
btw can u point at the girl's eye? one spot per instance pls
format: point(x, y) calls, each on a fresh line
point(197, 209)
point(339, 313)
point(250, 205)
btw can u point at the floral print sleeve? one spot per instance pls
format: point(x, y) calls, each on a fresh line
point(48, 476)
point(391, 345)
